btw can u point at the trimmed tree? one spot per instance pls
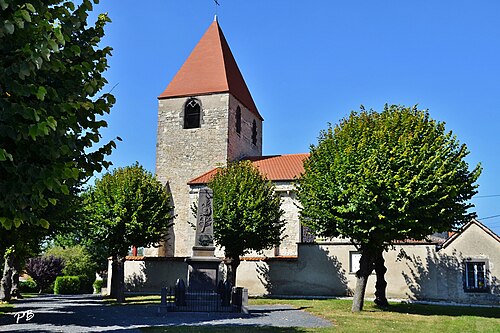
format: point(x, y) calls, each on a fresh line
point(44, 270)
point(381, 177)
point(51, 70)
point(127, 207)
point(247, 213)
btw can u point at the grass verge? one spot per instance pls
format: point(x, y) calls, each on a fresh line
point(398, 317)
point(134, 300)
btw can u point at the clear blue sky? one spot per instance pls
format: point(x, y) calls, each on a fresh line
point(308, 63)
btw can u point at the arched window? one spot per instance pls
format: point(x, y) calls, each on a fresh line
point(238, 120)
point(254, 132)
point(192, 114)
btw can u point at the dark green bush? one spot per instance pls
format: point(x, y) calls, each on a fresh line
point(86, 284)
point(98, 286)
point(28, 286)
point(67, 285)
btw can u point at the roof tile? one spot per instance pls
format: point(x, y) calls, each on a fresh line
point(275, 168)
point(211, 68)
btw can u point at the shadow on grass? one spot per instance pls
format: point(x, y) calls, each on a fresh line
point(441, 310)
point(217, 328)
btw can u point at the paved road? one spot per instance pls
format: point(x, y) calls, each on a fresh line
point(87, 313)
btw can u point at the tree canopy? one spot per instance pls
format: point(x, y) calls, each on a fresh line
point(247, 213)
point(380, 177)
point(52, 68)
point(126, 207)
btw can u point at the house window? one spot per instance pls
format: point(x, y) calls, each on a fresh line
point(354, 258)
point(254, 132)
point(238, 120)
point(475, 276)
point(192, 113)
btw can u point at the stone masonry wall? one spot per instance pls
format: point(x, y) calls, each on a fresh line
point(240, 145)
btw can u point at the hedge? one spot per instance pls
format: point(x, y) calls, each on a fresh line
point(67, 285)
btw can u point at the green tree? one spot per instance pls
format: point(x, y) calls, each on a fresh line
point(381, 177)
point(77, 262)
point(51, 69)
point(247, 213)
point(127, 207)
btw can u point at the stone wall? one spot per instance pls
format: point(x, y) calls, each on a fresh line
point(325, 270)
point(288, 246)
point(240, 144)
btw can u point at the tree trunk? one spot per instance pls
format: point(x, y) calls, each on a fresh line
point(15, 293)
point(365, 269)
point(6, 282)
point(232, 265)
point(381, 285)
point(117, 278)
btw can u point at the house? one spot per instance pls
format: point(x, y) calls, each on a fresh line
point(207, 118)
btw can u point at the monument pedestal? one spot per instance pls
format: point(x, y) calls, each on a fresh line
point(203, 273)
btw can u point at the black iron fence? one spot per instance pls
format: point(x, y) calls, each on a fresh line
point(179, 299)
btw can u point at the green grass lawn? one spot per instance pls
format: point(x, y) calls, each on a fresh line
point(5, 307)
point(134, 300)
point(396, 318)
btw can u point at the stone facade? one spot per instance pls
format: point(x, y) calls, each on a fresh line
point(183, 154)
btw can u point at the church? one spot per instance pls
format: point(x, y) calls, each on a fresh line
point(207, 118)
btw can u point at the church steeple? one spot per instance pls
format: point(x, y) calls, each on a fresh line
point(209, 69)
point(206, 118)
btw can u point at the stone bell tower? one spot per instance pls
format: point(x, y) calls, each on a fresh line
point(206, 117)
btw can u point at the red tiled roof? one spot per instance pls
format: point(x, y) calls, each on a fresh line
point(275, 168)
point(211, 68)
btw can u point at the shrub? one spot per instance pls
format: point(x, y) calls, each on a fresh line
point(86, 284)
point(44, 270)
point(28, 286)
point(67, 285)
point(98, 286)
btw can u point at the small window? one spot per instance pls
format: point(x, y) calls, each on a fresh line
point(254, 132)
point(475, 276)
point(192, 114)
point(238, 120)
point(354, 258)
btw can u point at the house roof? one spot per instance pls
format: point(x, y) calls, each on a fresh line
point(467, 226)
point(209, 69)
point(275, 168)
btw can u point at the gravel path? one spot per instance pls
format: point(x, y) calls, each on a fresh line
point(87, 313)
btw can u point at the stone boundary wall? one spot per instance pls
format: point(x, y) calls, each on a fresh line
point(324, 270)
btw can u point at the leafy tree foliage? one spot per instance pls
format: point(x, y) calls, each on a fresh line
point(247, 213)
point(44, 270)
point(51, 70)
point(127, 207)
point(77, 260)
point(380, 177)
